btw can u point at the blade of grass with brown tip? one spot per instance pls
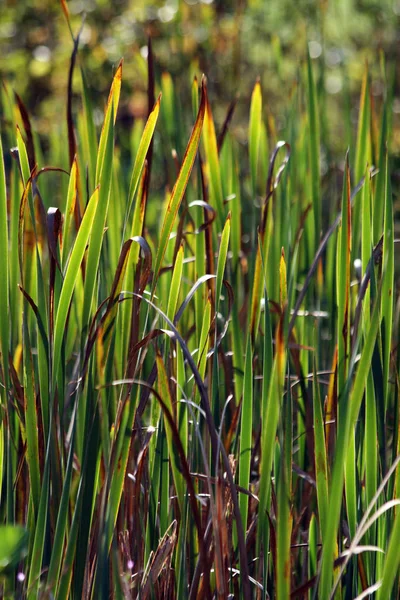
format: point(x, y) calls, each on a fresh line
point(205, 404)
point(28, 130)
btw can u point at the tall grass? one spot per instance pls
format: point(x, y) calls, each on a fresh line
point(199, 368)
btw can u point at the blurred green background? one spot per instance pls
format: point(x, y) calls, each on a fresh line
point(232, 41)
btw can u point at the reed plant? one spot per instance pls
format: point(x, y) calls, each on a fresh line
point(199, 368)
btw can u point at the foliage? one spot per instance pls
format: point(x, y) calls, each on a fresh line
point(233, 42)
point(199, 366)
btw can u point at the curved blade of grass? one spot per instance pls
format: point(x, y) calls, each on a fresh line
point(190, 295)
point(319, 253)
point(262, 254)
point(205, 404)
point(179, 187)
point(367, 521)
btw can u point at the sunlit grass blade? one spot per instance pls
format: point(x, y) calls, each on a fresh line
point(70, 277)
point(254, 133)
point(144, 145)
point(103, 179)
point(69, 211)
point(211, 152)
point(223, 251)
point(109, 117)
point(198, 392)
point(180, 187)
